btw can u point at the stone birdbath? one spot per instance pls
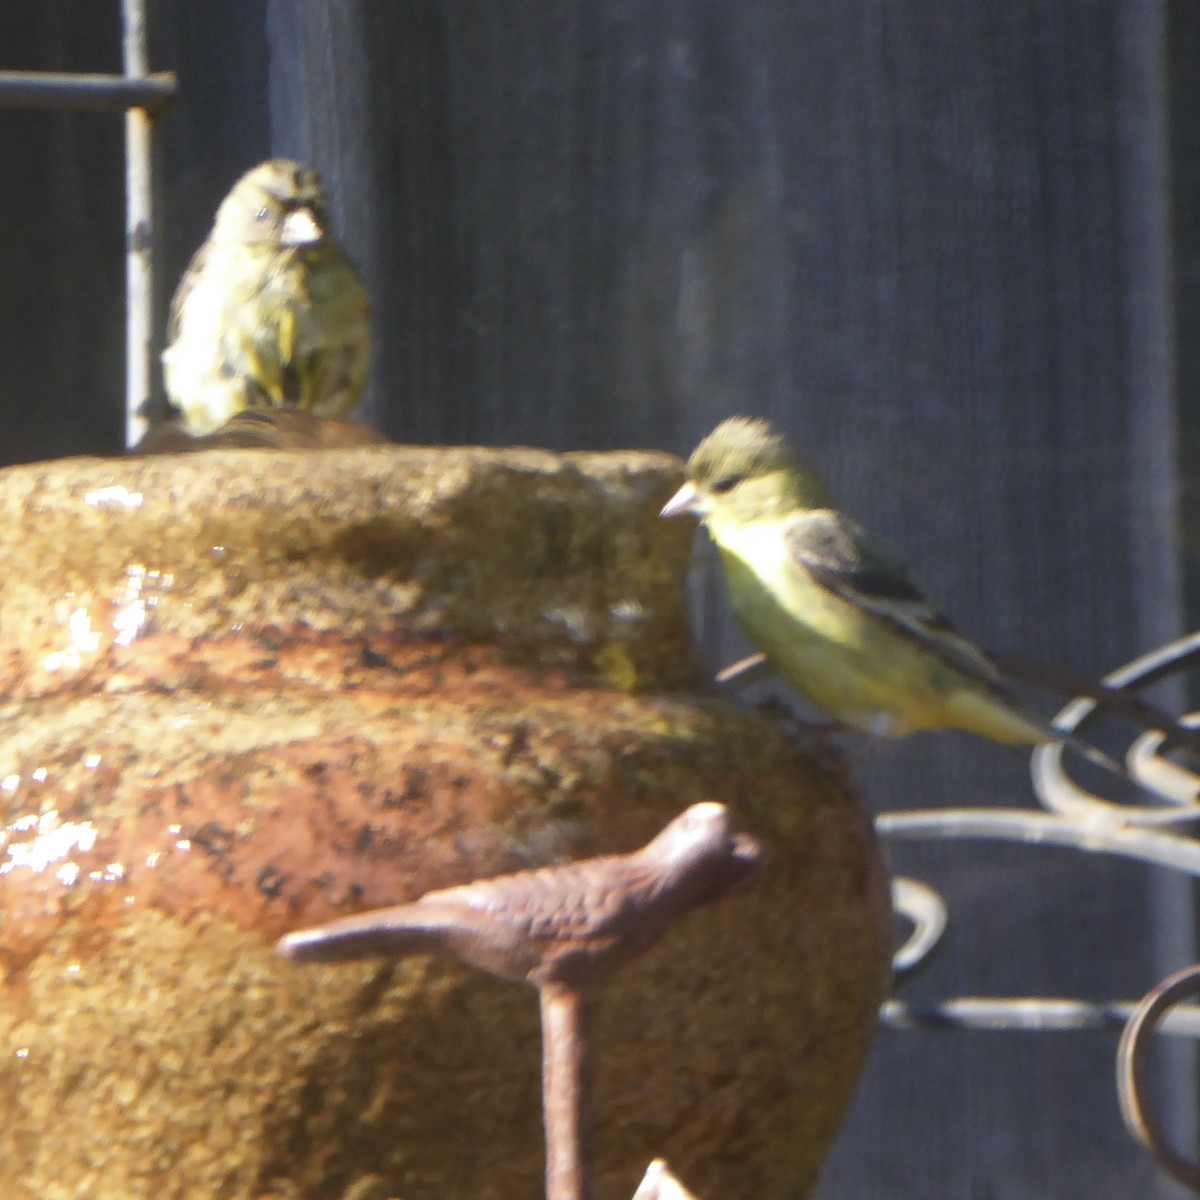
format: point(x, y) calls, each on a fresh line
point(250, 691)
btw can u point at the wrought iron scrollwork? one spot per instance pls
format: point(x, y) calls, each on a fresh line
point(1076, 818)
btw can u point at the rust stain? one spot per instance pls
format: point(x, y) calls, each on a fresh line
point(403, 765)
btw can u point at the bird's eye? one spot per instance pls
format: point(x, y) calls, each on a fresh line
point(726, 483)
point(262, 214)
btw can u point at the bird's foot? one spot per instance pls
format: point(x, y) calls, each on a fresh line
point(813, 735)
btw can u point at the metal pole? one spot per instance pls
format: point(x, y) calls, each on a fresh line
point(566, 1091)
point(97, 93)
point(139, 233)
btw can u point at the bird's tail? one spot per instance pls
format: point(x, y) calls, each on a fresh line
point(1117, 701)
point(392, 933)
point(1132, 707)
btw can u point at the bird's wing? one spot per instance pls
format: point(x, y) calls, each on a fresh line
point(841, 556)
point(187, 285)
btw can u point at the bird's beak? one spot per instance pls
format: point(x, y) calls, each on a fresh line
point(300, 228)
point(687, 500)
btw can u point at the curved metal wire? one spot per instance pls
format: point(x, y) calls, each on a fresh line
point(1104, 836)
point(1173, 784)
point(1131, 1055)
point(925, 911)
point(1080, 820)
point(1029, 1015)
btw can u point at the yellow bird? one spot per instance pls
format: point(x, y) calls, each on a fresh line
point(834, 610)
point(270, 312)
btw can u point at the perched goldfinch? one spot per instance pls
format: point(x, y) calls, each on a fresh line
point(269, 312)
point(833, 609)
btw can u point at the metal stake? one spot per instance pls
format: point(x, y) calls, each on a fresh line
point(139, 233)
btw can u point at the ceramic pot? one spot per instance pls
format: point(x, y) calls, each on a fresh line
point(249, 691)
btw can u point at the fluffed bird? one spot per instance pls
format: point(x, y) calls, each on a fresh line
point(270, 311)
point(834, 609)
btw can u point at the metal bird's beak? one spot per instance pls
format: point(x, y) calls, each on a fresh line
point(687, 500)
point(301, 228)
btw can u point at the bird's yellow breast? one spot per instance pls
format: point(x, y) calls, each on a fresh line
point(847, 660)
